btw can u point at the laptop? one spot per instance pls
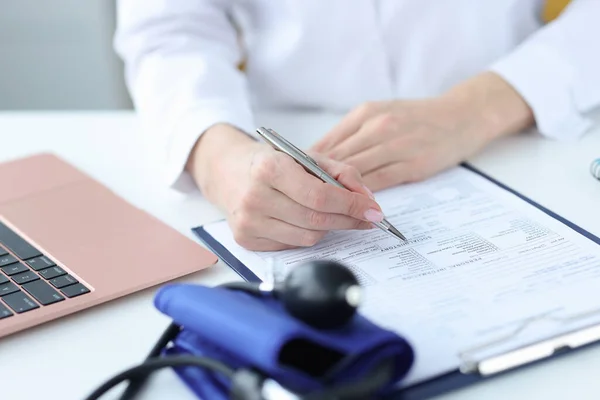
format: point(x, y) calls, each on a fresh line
point(68, 243)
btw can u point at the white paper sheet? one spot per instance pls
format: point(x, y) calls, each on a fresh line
point(479, 262)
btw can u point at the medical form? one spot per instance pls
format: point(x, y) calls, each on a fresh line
point(482, 272)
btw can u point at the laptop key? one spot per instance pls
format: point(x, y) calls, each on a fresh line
point(74, 290)
point(3, 252)
point(17, 244)
point(43, 292)
point(14, 269)
point(3, 279)
point(20, 302)
point(25, 277)
point(50, 273)
point(5, 312)
point(63, 281)
point(7, 260)
point(40, 263)
point(8, 288)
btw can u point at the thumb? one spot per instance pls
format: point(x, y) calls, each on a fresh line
point(347, 175)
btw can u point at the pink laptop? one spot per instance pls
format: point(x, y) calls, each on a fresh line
point(68, 243)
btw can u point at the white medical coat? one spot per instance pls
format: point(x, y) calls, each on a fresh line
point(183, 57)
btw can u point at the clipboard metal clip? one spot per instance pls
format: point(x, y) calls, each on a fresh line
point(491, 365)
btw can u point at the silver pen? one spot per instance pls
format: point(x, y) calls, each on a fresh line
point(312, 167)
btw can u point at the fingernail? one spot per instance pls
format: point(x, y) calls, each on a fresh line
point(373, 215)
point(371, 195)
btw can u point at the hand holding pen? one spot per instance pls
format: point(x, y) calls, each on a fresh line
point(270, 201)
point(313, 167)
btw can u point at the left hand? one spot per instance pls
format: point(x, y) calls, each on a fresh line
point(394, 142)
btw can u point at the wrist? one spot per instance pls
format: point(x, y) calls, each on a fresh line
point(212, 153)
point(493, 107)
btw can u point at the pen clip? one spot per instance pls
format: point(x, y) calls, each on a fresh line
point(312, 160)
point(306, 156)
point(287, 143)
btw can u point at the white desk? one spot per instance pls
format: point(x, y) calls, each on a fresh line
point(68, 358)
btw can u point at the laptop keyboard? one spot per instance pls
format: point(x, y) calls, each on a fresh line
point(30, 280)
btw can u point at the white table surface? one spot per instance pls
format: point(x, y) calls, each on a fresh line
point(66, 359)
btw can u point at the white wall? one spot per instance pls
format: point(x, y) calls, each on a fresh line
point(57, 54)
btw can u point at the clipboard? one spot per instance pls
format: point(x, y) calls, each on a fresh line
point(516, 359)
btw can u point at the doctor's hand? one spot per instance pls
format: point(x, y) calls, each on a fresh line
point(271, 202)
point(394, 142)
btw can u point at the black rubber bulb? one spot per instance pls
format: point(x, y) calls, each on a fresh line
point(323, 294)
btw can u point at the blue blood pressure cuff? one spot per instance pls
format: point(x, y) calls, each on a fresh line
point(253, 332)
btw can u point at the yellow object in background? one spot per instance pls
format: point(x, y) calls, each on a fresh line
point(553, 8)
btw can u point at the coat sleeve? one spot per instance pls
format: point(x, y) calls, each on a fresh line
point(556, 71)
point(181, 62)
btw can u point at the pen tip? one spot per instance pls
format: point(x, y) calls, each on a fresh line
point(397, 233)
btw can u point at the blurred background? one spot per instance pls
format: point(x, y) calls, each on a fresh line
point(49, 49)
